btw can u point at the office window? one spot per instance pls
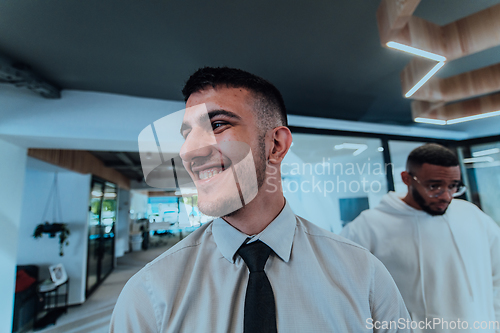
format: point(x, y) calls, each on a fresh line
point(399, 153)
point(321, 170)
point(482, 165)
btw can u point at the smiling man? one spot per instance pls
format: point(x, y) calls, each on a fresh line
point(443, 253)
point(258, 267)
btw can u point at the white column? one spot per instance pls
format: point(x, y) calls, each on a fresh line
point(12, 171)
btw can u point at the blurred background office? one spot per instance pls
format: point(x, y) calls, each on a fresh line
point(364, 82)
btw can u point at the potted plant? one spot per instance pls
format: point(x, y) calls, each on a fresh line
point(52, 229)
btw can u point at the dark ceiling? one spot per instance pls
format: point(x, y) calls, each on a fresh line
point(324, 56)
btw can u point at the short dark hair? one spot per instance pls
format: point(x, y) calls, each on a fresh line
point(431, 153)
point(269, 102)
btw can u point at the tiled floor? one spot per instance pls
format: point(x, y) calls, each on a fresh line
point(94, 315)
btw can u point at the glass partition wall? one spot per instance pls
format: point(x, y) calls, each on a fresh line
point(481, 166)
point(399, 151)
point(330, 179)
point(101, 224)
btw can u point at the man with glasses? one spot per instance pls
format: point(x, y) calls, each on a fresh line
point(443, 253)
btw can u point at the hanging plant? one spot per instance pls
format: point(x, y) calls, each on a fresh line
point(52, 229)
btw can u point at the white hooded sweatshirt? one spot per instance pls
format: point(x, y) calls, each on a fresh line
point(447, 267)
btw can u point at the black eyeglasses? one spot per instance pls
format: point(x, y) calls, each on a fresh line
point(434, 190)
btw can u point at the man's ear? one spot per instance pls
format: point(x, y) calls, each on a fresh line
point(406, 177)
point(281, 140)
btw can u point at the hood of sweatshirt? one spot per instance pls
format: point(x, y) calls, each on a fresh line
point(393, 205)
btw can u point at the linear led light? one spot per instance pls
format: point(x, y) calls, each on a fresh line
point(415, 51)
point(430, 121)
point(478, 159)
point(359, 147)
point(486, 152)
point(424, 79)
point(469, 118)
point(483, 165)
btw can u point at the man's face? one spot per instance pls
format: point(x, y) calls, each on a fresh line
point(435, 175)
point(224, 150)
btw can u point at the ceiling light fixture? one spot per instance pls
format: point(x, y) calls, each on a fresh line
point(478, 159)
point(415, 51)
point(425, 79)
point(358, 146)
point(483, 165)
point(474, 117)
point(430, 121)
point(486, 152)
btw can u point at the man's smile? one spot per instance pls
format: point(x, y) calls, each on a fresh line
point(209, 170)
point(209, 173)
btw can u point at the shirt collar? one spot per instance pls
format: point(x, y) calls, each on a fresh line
point(278, 235)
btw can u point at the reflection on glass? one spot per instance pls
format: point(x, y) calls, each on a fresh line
point(321, 171)
point(108, 219)
point(94, 235)
point(102, 218)
point(399, 153)
point(484, 164)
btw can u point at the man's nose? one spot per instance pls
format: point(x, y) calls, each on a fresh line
point(446, 195)
point(199, 143)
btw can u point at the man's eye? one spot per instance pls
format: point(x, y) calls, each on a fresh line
point(218, 124)
point(433, 187)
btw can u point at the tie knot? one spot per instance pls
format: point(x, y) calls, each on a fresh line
point(255, 255)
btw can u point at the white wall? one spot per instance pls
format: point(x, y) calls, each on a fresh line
point(70, 122)
point(74, 192)
point(138, 204)
point(12, 167)
point(122, 223)
point(79, 119)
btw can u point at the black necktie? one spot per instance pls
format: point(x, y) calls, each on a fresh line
point(260, 310)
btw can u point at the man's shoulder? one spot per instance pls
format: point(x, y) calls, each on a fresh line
point(317, 234)
point(465, 211)
point(464, 204)
point(369, 219)
point(185, 247)
point(339, 251)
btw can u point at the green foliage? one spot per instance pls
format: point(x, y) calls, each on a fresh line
point(95, 206)
point(109, 205)
point(52, 229)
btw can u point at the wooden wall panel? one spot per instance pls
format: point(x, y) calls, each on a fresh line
point(416, 69)
point(470, 84)
point(467, 85)
point(426, 35)
point(81, 162)
point(474, 33)
point(393, 15)
point(468, 35)
point(471, 107)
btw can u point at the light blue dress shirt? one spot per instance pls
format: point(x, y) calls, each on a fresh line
point(321, 282)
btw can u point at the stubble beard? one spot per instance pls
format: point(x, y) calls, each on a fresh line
point(425, 207)
point(230, 205)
